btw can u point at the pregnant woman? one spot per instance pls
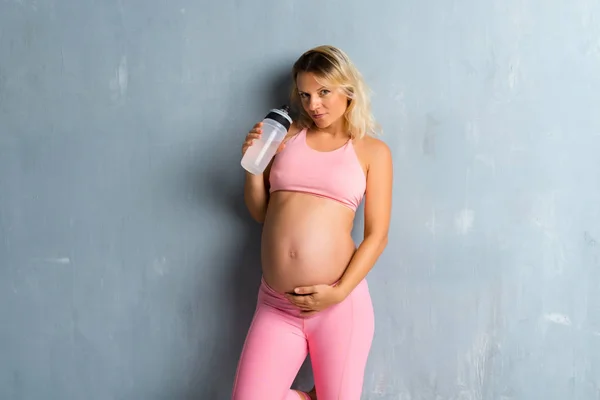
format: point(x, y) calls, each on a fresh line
point(314, 297)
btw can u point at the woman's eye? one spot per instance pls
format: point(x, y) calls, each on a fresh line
point(324, 92)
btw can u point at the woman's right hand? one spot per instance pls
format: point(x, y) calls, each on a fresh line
point(254, 134)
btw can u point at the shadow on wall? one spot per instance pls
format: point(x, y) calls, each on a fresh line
point(242, 264)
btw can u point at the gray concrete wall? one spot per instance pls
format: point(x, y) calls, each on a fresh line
point(129, 266)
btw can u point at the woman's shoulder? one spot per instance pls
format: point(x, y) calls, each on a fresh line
point(372, 147)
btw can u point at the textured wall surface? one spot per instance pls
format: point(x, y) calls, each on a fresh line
point(129, 265)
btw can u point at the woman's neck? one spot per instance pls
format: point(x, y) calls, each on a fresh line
point(335, 131)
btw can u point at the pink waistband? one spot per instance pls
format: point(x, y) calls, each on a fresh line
point(264, 285)
point(269, 296)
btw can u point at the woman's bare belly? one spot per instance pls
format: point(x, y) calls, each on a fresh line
point(306, 240)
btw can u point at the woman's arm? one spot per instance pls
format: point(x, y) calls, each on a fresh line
point(377, 212)
point(256, 187)
point(256, 195)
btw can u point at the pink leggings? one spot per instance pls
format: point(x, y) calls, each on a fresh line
point(338, 340)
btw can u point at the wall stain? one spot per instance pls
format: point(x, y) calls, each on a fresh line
point(589, 239)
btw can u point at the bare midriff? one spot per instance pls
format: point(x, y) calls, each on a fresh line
point(306, 240)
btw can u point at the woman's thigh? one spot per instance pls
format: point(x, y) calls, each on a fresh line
point(273, 352)
point(340, 341)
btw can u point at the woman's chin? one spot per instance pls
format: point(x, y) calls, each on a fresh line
point(320, 123)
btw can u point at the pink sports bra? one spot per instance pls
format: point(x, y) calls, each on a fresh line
point(336, 174)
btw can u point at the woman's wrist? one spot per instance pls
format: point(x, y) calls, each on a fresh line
point(343, 290)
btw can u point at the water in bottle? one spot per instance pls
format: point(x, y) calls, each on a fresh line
point(261, 152)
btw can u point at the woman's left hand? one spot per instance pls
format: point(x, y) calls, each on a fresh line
point(312, 299)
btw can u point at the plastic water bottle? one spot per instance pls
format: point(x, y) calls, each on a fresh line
point(261, 152)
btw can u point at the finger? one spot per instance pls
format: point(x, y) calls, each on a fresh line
point(250, 141)
point(300, 301)
point(281, 146)
point(305, 290)
point(308, 303)
point(295, 300)
point(302, 307)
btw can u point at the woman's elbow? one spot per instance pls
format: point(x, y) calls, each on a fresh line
point(379, 239)
point(383, 241)
point(258, 216)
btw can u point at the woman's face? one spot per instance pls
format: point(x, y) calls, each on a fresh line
point(325, 105)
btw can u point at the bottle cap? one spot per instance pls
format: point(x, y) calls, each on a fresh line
point(281, 115)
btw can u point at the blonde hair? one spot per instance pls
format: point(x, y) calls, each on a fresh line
point(333, 66)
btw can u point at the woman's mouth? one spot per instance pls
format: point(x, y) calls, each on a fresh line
point(318, 116)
